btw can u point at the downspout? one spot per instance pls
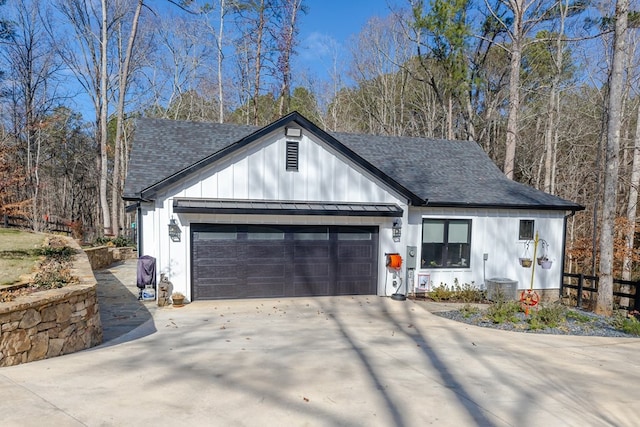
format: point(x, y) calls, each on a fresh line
point(564, 250)
point(139, 228)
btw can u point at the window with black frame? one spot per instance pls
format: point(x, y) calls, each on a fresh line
point(525, 231)
point(446, 243)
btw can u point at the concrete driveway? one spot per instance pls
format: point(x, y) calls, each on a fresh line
point(346, 361)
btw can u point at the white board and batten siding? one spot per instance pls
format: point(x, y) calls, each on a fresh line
point(495, 233)
point(259, 172)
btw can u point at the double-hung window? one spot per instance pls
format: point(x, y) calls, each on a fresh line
point(446, 243)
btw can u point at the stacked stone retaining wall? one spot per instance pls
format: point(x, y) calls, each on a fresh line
point(103, 256)
point(53, 322)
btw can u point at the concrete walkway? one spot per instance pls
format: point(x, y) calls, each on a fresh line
point(347, 361)
point(120, 310)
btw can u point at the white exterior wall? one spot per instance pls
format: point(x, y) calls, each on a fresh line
point(258, 172)
point(495, 232)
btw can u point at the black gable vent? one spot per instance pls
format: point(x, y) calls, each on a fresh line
point(292, 155)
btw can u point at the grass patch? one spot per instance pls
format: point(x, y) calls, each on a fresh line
point(19, 254)
point(18, 240)
point(578, 317)
point(52, 262)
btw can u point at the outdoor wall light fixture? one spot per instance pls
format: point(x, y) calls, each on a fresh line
point(396, 229)
point(293, 132)
point(174, 230)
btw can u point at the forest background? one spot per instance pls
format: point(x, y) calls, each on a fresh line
point(533, 82)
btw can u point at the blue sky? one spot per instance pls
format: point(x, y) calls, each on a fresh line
point(324, 33)
point(328, 25)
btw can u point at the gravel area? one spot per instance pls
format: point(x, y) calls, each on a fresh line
point(595, 325)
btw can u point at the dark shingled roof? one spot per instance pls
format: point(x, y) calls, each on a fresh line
point(446, 173)
point(162, 148)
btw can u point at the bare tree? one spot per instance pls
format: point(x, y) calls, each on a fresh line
point(87, 57)
point(551, 134)
point(632, 208)
point(378, 58)
point(221, 106)
point(258, 9)
point(33, 82)
point(103, 99)
point(525, 16)
point(604, 302)
point(286, 43)
point(182, 80)
point(633, 180)
point(124, 74)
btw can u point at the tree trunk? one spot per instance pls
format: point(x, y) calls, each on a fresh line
point(604, 302)
point(548, 139)
point(287, 43)
point(118, 166)
point(632, 205)
point(220, 58)
point(514, 92)
point(258, 64)
point(104, 201)
point(553, 106)
point(450, 118)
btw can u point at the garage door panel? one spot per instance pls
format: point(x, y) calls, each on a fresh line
point(264, 251)
point(311, 251)
point(312, 270)
point(357, 287)
point(254, 289)
point(219, 251)
point(355, 251)
point(217, 291)
point(224, 271)
point(265, 271)
point(301, 261)
point(355, 269)
point(312, 288)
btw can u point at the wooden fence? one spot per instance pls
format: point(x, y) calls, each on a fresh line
point(56, 226)
point(585, 284)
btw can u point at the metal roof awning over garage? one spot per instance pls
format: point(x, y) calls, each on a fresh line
point(267, 207)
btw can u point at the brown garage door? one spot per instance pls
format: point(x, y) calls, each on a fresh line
point(256, 261)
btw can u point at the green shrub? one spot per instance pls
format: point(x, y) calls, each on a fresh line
point(101, 241)
point(467, 292)
point(577, 316)
point(440, 293)
point(468, 310)
point(550, 315)
point(535, 323)
point(629, 325)
point(54, 273)
point(59, 253)
point(55, 269)
point(118, 242)
point(122, 242)
point(503, 311)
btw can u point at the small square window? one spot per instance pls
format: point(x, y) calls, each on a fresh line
point(292, 155)
point(526, 229)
